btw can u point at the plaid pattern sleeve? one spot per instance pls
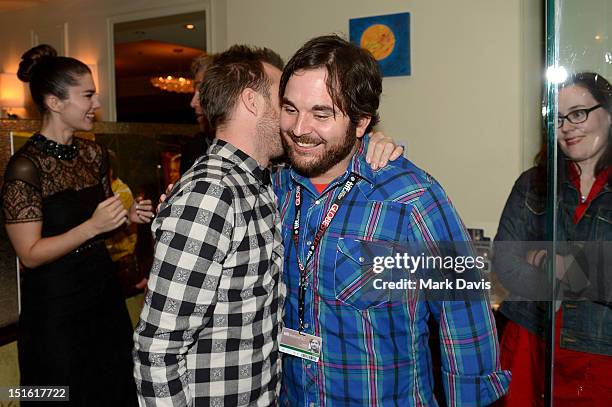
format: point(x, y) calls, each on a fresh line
point(375, 348)
point(207, 334)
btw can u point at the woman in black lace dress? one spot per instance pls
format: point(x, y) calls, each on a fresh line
point(74, 327)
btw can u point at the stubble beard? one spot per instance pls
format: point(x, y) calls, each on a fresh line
point(268, 133)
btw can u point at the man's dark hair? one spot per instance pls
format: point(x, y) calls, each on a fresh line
point(238, 68)
point(354, 81)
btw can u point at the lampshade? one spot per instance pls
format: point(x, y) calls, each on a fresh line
point(11, 91)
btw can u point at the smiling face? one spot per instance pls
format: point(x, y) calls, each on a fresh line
point(77, 111)
point(583, 142)
point(319, 139)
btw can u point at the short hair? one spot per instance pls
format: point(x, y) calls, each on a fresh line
point(49, 74)
point(232, 71)
point(354, 81)
point(267, 55)
point(201, 63)
point(270, 57)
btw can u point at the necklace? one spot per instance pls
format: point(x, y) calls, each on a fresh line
point(50, 147)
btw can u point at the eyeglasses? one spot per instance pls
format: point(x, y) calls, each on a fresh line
point(576, 116)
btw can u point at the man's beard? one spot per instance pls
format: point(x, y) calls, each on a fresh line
point(324, 161)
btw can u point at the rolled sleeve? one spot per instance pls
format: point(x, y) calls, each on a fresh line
point(193, 234)
point(471, 371)
point(475, 390)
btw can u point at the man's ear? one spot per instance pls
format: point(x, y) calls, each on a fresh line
point(249, 99)
point(362, 125)
point(54, 103)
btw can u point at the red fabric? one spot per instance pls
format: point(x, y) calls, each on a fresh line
point(320, 187)
point(598, 185)
point(580, 378)
point(522, 352)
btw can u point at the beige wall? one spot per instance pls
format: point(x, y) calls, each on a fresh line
point(462, 114)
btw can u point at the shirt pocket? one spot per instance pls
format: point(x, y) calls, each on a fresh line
point(354, 273)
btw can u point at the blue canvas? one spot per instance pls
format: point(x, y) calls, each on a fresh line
point(387, 37)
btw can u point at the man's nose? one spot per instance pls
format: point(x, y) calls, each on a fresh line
point(195, 100)
point(302, 125)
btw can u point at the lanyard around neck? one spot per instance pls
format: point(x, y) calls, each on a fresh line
point(329, 216)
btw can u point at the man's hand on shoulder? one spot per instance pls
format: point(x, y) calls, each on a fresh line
point(381, 150)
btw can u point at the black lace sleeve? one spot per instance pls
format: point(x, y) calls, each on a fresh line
point(104, 170)
point(21, 196)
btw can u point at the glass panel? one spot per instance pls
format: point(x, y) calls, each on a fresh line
point(583, 220)
point(520, 273)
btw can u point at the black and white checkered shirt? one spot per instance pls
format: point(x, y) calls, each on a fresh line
point(208, 331)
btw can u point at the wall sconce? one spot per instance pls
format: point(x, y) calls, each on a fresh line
point(11, 94)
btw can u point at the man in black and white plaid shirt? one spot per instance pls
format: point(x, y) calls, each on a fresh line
point(208, 331)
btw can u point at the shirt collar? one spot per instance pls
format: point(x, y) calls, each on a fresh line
point(358, 165)
point(240, 158)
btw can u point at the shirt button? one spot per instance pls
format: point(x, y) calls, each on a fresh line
point(317, 202)
point(361, 260)
point(311, 404)
point(306, 325)
point(308, 243)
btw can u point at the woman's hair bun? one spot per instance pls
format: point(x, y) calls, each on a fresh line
point(32, 58)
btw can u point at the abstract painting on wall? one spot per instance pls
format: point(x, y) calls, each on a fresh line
point(387, 37)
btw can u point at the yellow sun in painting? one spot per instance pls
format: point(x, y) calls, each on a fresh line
point(379, 40)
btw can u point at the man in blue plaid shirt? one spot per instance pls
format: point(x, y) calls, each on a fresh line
point(373, 350)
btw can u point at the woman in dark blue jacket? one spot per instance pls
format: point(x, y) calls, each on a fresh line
point(583, 351)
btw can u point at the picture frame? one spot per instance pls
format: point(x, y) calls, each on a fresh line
point(387, 37)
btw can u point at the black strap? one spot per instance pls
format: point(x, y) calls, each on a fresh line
point(329, 216)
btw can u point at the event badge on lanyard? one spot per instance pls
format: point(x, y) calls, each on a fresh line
point(298, 343)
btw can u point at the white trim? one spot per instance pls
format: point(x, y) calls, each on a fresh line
point(209, 30)
point(66, 39)
point(65, 51)
point(143, 15)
